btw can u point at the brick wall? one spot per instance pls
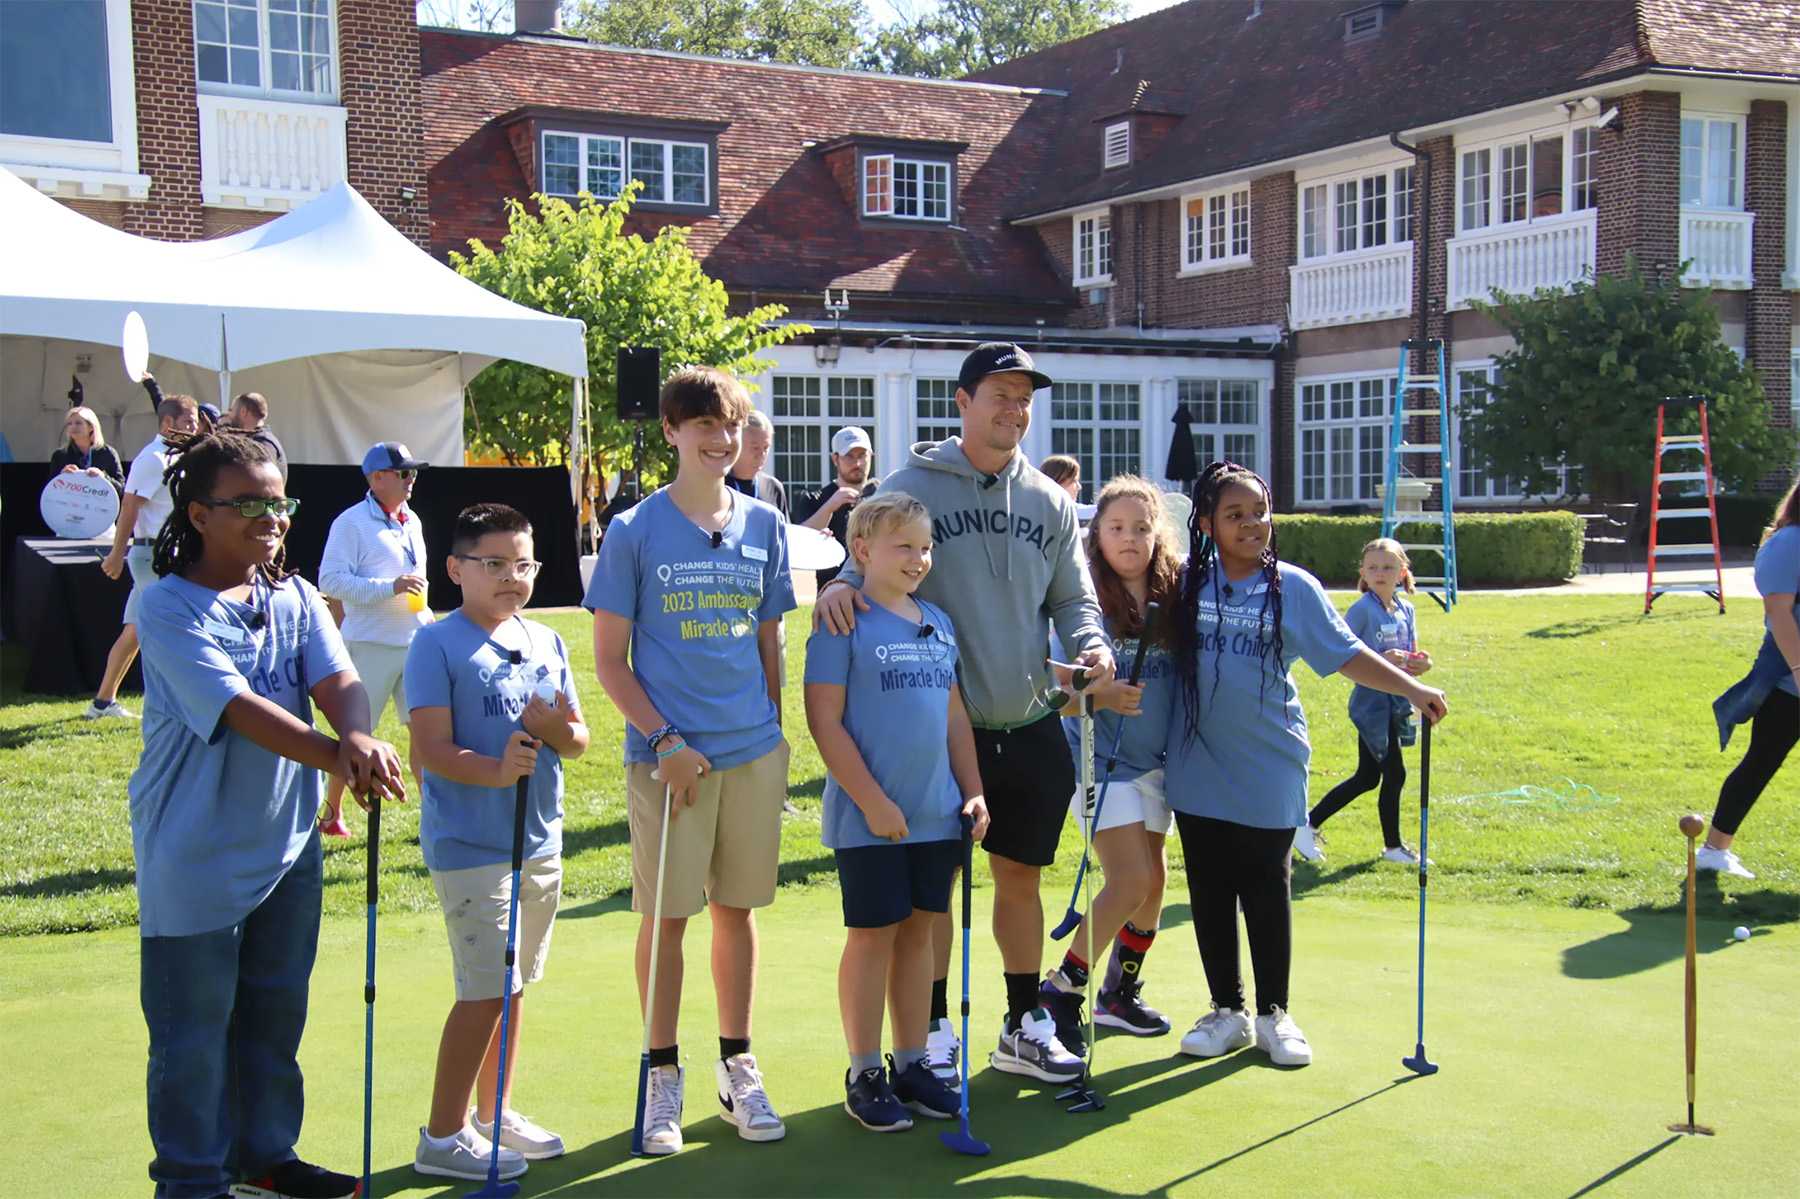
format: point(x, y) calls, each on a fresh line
point(1059, 242)
point(1251, 295)
point(1768, 328)
point(1640, 185)
point(378, 44)
point(162, 48)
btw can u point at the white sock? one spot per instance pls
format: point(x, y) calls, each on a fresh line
point(448, 1142)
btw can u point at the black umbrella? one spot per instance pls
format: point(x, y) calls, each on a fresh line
point(1181, 467)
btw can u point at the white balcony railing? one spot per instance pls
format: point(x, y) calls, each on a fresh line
point(1369, 285)
point(1718, 245)
point(1552, 252)
point(268, 153)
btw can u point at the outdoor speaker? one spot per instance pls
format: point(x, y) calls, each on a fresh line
point(640, 382)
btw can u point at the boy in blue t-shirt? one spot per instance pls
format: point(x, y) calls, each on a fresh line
point(487, 689)
point(687, 598)
point(885, 710)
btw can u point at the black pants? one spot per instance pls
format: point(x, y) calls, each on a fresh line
point(1772, 735)
point(1230, 865)
point(1389, 773)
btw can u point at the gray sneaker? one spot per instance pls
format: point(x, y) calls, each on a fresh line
point(466, 1157)
point(113, 710)
point(1033, 1050)
point(521, 1135)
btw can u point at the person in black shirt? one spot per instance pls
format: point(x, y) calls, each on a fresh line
point(250, 413)
point(747, 474)
point(829, 507)
point(87, 449)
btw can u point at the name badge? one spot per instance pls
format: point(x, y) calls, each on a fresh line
point(223, 632)
point(755, 553)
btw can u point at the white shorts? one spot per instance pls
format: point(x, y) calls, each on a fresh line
point(477, 904)
point(1139, 801)
point(382, 669)
point(137, 560)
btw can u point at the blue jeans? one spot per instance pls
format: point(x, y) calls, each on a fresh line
point(225, 1011)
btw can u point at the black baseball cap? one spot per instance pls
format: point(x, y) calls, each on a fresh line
point(997, 357)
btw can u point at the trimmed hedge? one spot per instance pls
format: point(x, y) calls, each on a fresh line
point(1526, 547)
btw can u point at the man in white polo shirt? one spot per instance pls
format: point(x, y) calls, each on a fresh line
point(374, 563)
point(142, 509)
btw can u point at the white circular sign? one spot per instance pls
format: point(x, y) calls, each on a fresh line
point(134, 344)
point(79, 506)
point(813, 549)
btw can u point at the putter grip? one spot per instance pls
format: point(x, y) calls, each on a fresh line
point(1137, 659)
point(374, 846)
point(518, 854)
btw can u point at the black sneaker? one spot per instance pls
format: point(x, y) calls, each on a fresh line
point(296, 1179)
point(1065, 1008)
point(919, 1089)
point(1124, 1008)
point(871, 1103)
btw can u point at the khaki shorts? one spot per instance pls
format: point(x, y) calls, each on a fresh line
point(725, 848)
point(476, 906)
point(382, 669)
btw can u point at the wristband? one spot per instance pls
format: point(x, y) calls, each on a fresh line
point(674, 749)
point(656, 738)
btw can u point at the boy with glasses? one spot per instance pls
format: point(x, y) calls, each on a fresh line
point(374, 564)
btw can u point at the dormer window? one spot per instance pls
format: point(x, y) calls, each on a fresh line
point(599, 153)
point(1363, 23)
point(914, 189)
point(1116, 145)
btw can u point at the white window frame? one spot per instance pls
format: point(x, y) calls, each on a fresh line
point(1115, 145)
point(935, 416)
point(1707, 122)
point(1096, 436)
point(1495, 174)
point(267, 90)
point(892, 165)
point(1199, 254)
point(1358, 384)
point(833, 393)
point(1489, 493)
point(668, 146)
point(64, 157)
point(1191, 391)
point(1330, 232)
point(624, 144)
point(1085, 264)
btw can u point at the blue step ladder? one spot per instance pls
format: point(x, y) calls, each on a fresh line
point(1408, 384)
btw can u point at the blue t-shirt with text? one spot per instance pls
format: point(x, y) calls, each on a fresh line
point(1144, 738)
point(1249, 764)
point(457, 664)
point(1778, 571)
point(897, 709)
point(1380, 629)
point(217, 820)
point(695, 608)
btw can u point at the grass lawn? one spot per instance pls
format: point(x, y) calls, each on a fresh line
point(1579, 731)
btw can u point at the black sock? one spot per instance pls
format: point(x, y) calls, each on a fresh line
point(1129, 949)
point(666, 1057)
point(730, 1047)
point(1021, 996)
point(940, 1000)
point(1074, 970)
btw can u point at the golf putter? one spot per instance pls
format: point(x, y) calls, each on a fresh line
point(493, 1188)
point(374, 890)
point(1692, 826)
point(643, 1093)
point(961, 1139)
point(1418, 1063)
point(1081, 1091)
point(1072, 917)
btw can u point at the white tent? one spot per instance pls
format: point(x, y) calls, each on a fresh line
point(354, 333)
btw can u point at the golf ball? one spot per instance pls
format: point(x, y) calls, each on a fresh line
point(546, 691)
point(1741, 933)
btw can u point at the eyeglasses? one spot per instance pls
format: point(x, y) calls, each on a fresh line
point(405, 474)
point(523, 569)
point(256, 508)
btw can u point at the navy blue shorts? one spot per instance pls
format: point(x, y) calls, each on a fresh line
point(884, 884)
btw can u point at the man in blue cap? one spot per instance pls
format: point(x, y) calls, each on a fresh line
point(374, 563)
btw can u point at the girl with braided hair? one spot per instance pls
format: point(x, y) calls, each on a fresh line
point(1238, 753)
point(236, 653)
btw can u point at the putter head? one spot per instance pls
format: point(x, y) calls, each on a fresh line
point(1692, 1130)
point(493, 1188)
point(964, 1143)
point(1418, 1063)
point(1066, 925)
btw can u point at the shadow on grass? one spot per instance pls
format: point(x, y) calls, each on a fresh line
point(828, 1155)
point(1624, 1167)
point(72, 882)
point(68, 729)
point(1308, 877)
point(810, 789)
point(1656, 934)
point(1568, 630)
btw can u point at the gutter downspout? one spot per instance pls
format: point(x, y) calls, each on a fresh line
point(1421, 228)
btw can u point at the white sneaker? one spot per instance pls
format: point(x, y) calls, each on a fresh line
point(662, 1111)
point(1404, 855)
point(519, 1134)
point(1722, 860)
point(1217, 1033)
point(466, 1157)
point(1278, 1036)
point(943, 1053)
point(109, 711)
point(743, 1102)
point(1308, 844)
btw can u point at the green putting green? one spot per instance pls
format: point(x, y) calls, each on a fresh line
point(1558, 1033)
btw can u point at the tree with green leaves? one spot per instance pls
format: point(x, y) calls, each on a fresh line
point(1589, 367)
point(959, 37)
point(817, 33)
point(577, 261)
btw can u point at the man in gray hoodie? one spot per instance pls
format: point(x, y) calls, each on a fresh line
point(1007, 564)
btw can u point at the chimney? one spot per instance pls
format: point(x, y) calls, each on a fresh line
point(537, 16)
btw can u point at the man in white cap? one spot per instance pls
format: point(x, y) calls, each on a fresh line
point(829, 507)
point(374, 563)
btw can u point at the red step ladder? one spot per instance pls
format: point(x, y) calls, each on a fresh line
point(1687, 508)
